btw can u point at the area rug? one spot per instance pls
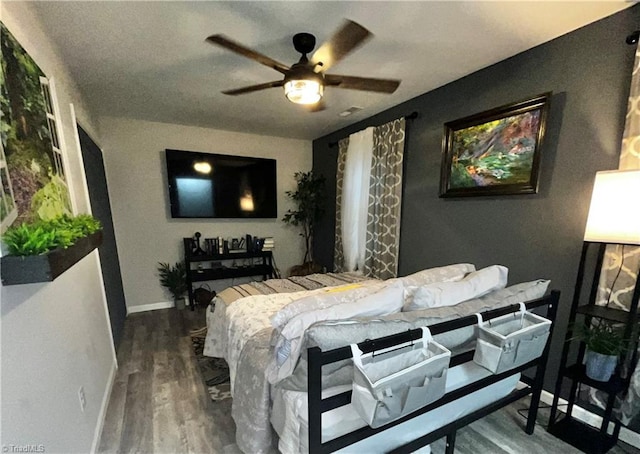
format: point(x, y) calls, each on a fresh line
point(214, 371)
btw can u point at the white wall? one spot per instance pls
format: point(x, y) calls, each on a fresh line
point(55, 336)
point(145, 231)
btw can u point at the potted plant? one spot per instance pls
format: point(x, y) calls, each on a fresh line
point(174, 279)
point(604, 344)
point(42, 250)
point(309, 197)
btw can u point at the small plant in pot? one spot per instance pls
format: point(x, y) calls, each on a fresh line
point(174, 279)
point(604, 344)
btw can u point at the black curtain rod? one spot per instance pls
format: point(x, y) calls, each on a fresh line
point(633, 37)
point(411, 116)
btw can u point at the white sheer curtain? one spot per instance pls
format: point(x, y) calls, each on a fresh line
point(355, 195)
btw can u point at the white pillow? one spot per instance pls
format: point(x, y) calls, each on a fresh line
point(518, 293)
point(474, 285)
point(289, 341)
point(447, 273)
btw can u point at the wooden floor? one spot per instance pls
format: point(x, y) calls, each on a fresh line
point(159, 403)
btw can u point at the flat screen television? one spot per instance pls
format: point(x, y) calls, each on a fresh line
point(205, 185)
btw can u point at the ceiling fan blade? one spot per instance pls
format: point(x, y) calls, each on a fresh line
point(343, 41)
point(223, 41)
point(362, 83)
point(252, 88)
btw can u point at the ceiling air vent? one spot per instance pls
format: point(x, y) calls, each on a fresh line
point(349, 111)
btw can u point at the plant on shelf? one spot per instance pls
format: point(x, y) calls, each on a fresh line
point(309, 198)
point(605, 343)
point(174, 279)
point(40, 237)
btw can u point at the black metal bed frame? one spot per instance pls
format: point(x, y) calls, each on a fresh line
point(317, 405)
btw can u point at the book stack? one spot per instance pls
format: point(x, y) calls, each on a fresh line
point(212, 246)
point(269, 244)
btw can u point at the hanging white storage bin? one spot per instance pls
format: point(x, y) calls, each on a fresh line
point(391, 383)
point(511, 340)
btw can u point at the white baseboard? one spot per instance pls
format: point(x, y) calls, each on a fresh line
point(103, 408)
point(626, 435)
point(150, 307)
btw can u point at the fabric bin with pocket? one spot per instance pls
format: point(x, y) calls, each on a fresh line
point(511, 340)
point(394, 382)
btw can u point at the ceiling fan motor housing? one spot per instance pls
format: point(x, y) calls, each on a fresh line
point(303, 71)
point(304, 42)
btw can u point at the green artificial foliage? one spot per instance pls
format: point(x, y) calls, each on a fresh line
point(602, 337)
point(29, 239)
point(78, 226)
point(309, 198)
point(41, 237)
point(173, 278)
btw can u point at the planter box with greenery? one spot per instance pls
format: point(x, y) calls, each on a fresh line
point(43, 250)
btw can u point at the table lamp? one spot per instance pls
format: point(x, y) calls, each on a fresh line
point(614, 214)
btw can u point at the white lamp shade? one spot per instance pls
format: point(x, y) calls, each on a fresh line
point(614, 214)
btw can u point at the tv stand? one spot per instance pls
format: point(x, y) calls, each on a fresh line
point(221, 266)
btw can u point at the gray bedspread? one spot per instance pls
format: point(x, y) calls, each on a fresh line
point(251, 406)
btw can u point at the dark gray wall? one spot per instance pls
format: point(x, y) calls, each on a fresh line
point(536, 236)
point(101, 209)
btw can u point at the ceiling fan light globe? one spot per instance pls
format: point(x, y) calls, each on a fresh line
point(303, 91)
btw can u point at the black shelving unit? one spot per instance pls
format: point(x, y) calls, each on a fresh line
point(565, 426)
point(211, 267)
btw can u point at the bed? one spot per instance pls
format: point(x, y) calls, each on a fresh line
point(472, 392)
point(268, 340)
point(259, 300)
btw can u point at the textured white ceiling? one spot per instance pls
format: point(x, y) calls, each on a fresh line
point(150, 61)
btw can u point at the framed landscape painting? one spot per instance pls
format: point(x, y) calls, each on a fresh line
point(496, 152)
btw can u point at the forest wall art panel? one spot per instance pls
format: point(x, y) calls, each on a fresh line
point(32, 174)
point(496, 152)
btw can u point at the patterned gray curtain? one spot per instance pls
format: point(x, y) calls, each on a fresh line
point(385, 200)
point(338, 256)
point(619, 290)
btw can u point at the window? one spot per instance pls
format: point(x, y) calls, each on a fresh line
point(8, 209)
point(53, 130)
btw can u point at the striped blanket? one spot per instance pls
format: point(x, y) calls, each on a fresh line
point(290, 285)
point(216, 341)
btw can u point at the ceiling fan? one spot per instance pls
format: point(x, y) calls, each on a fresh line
point(305, 80)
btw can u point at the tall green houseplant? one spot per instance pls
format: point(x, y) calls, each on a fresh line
point(309, 198)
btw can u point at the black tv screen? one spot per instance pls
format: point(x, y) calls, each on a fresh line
point(204, 185)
